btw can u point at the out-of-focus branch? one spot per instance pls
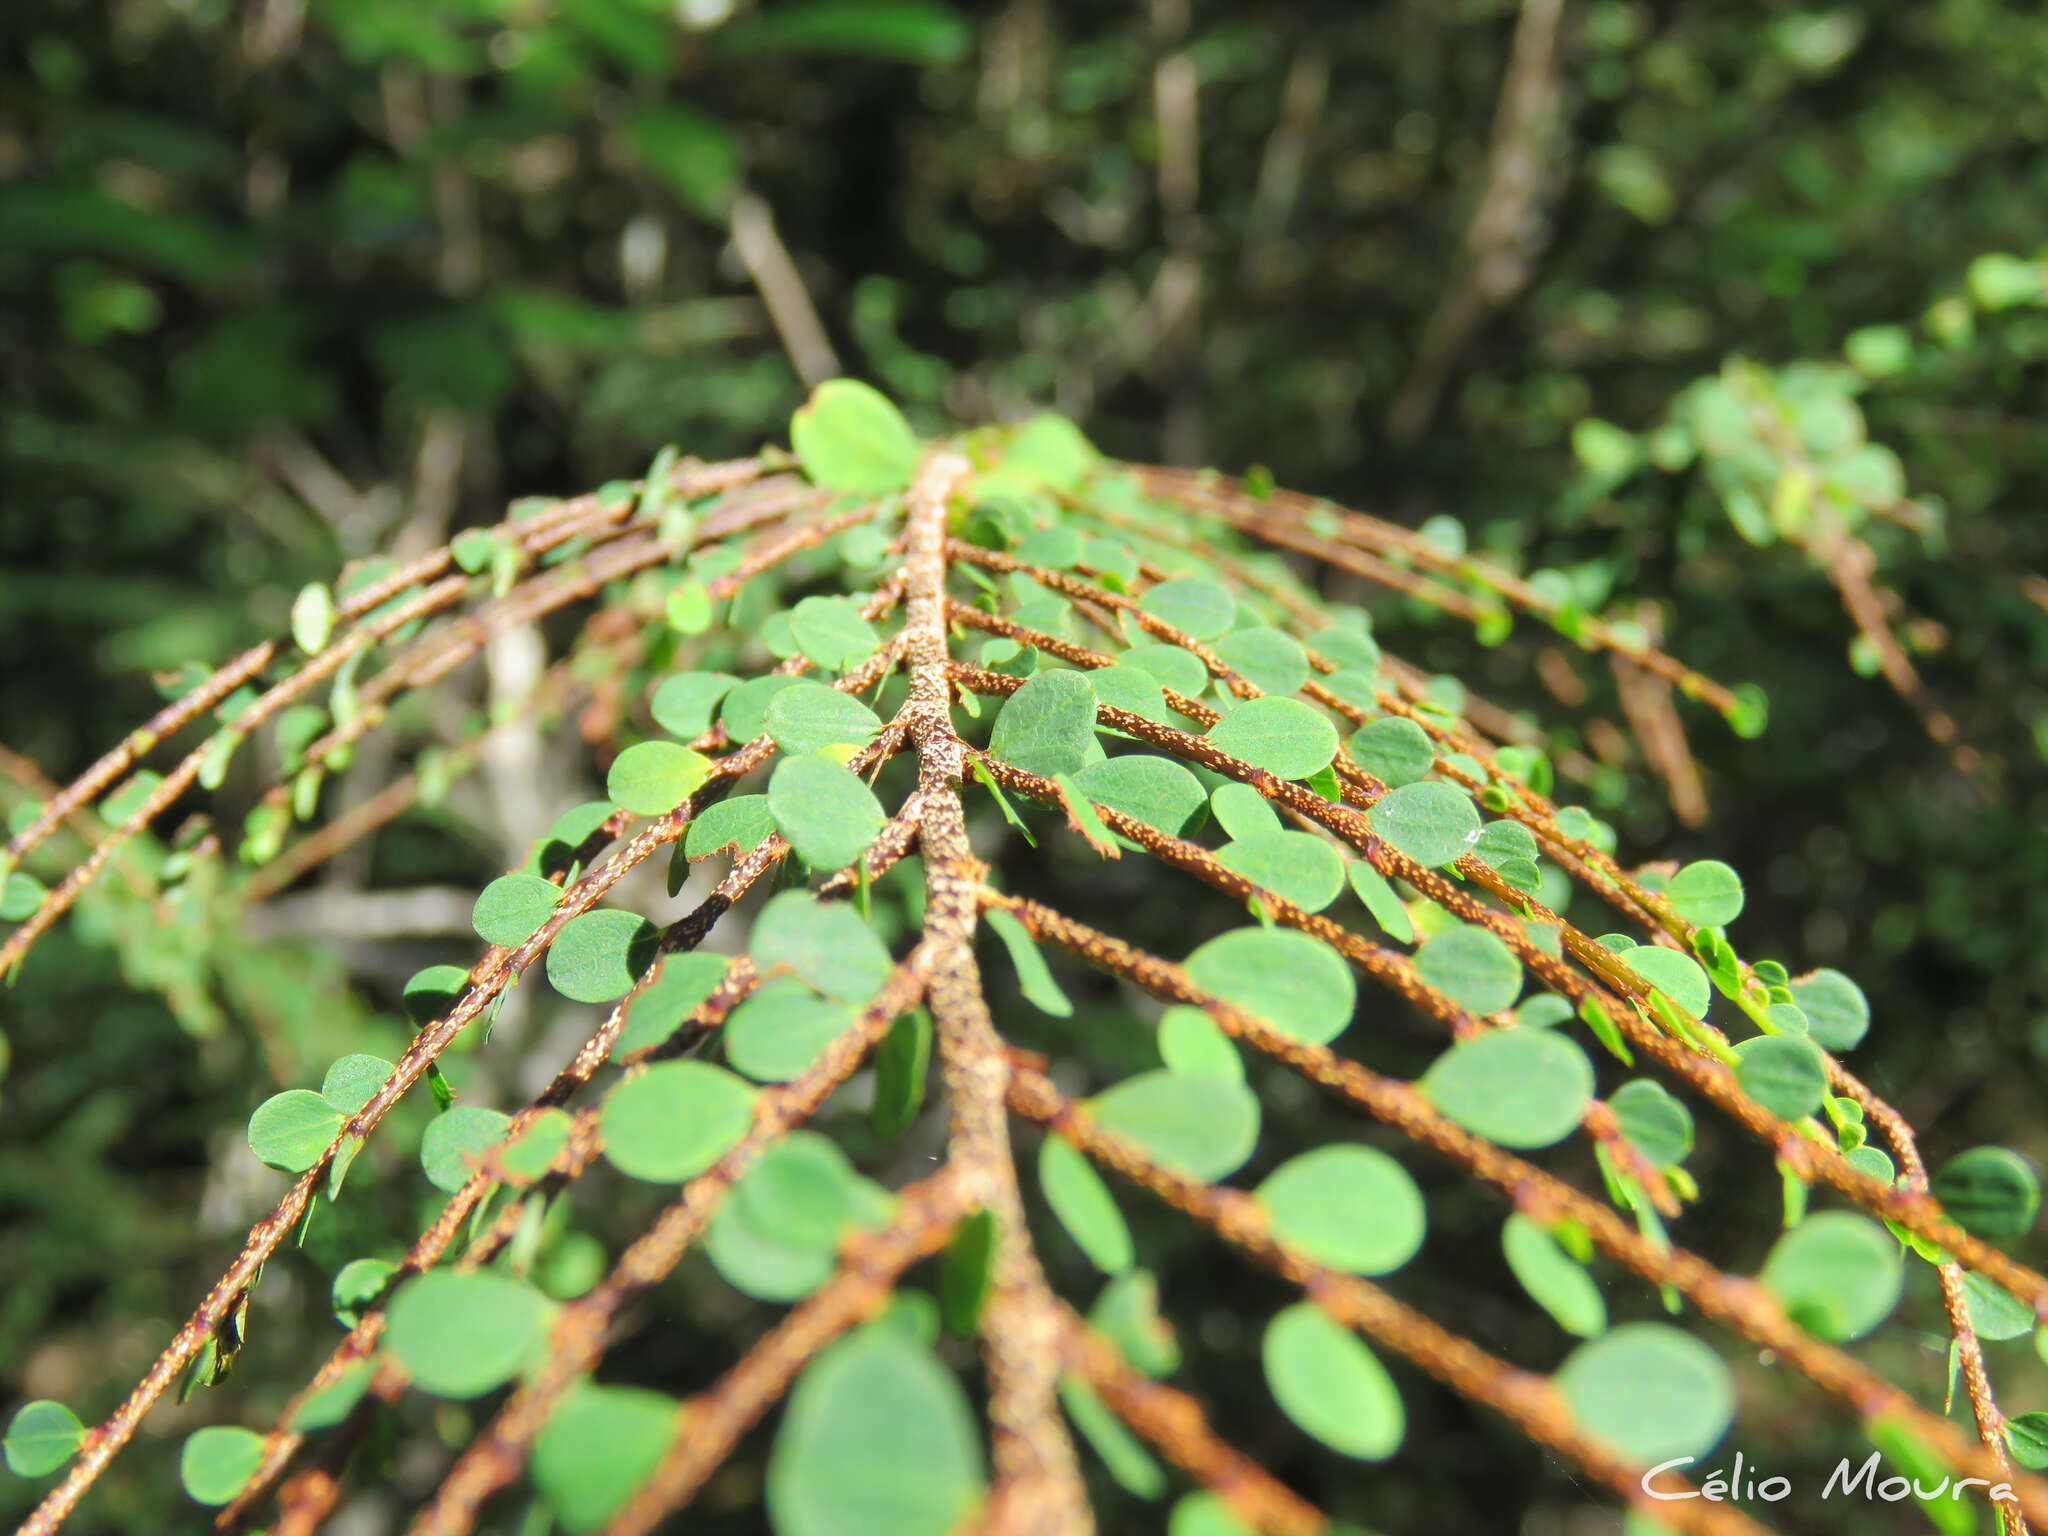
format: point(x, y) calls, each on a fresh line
point(1509, 224)
point(774, 274)
point(1279, 183)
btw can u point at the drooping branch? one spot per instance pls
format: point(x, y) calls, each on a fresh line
point(1735, 1302)
point(1038, 1485)
point(1529, 1402)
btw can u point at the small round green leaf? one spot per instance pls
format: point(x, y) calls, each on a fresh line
point(902, 1062)
point(1155, 790)
point(665, 1003)
point(1472, 967)
point(778, 1032)
point(1352, 648)
point(1198, 607)
point(1034, 976)
point(831, 633)
point(41, 1437)
point(1518, 1087)
point(828, 815)
point(291, 1130)
point(512, 907)
point(1047, 726)
point(1084, 1206)
point(1126, 1312)
point(599, 955)
point(1242, 811)
point(1271, 660)
point(1991, 1193)
point(1678, 977)
point(1295, 983)
point(1649, 1391)
point(1205, 1514)
point(867, 1408)
point(352, 1081)
point(1784, 1073)
point(1837, 1012)
point(652, 778)
point(1331, 1385)
point(1433, 823)
point(1555, 1281)
point(1181, 670)
point(1286, 737)
point(1351, 1208)
point(1295, 866)
point(683, 705)
point(744, 711)
point(217, 1461)
point(674, 1120)
point(2027, 1434)
point(1122, 1454)
point(327, 1406)
point(850, 438)
point(823, 943)
point(810, 717)
point(460, 1335)
point(1381, 899)
point(430, 993)
point(1707, 894)
point(456, 1139)
point(356, 1288)
point(1191, 1041)
point(596, 1449)
point(1658, 1125)
point(1837, 1274)
point(1393, 749)
point(1201, 1126)
point(312, 617)
point(1132, 689)
point(1995, 1312)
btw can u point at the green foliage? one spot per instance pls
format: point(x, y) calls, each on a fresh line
point(456, 1140)
point(1084, 1206)
point(599, 955)
point(1194, 1123)
point(652, 777)
point(1554, 1280)
point(1331, 1385)
point(40, 1438)
point(1197, 606)
point(529, 243)
point(461, 1335)
point(1836, 1272)
point(1471, 967)
point(1649, 1391)
point(863, 1409)
point(1783, 1073)
point(512, 908)
point(1433, 823)
point(596, 1450)
point(1047, 726)
point(1519, 1087)
point(674, 1120)
point(217, 1461)
point(828, 815)
point(850, 438)
point(1286, 737)
point(1991, 1192)
point(1352, 1208)
point(1294, 983)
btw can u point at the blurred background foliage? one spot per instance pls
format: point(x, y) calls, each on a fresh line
point(1727, 317)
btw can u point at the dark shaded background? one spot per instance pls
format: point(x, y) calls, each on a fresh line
point(286, 285)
